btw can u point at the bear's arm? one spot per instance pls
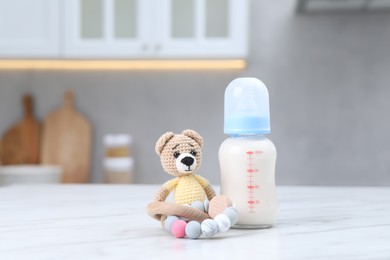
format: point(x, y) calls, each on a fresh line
point(165, 189)
point(206, 186)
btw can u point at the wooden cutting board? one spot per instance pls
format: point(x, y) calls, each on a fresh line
point(20, 144)
point(66, 141)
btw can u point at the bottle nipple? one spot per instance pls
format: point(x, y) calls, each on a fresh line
point(246, 107)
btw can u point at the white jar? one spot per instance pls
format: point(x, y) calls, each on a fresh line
point(118, 145)
point(118, 170)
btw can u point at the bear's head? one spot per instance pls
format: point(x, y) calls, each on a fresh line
point(181, 154)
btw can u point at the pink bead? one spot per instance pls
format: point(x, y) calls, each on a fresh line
point(178, 228)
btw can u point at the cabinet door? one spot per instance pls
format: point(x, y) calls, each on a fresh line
point(203, 28)
point(106, 28)
point(29, 29)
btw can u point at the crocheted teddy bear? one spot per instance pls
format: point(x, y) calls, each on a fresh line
point(192, 214)
point(181, 156)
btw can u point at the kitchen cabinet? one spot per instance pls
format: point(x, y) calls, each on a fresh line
point(128, 29)
point(107, 28)
point(156, 29)
point(29, 29)
point(202, 28)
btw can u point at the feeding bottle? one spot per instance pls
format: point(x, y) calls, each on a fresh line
point(247, 158)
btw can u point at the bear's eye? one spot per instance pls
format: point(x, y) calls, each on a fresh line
point(176, 154)
point(193, 152)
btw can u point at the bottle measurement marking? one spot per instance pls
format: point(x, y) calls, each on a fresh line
point(251, 185)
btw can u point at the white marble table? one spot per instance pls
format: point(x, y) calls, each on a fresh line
point(110, 222)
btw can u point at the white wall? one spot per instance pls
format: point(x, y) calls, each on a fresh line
point(328, 78)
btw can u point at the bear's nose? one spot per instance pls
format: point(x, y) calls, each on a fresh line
point(187, 161)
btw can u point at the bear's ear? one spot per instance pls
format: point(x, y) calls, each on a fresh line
point(193, 135)
point(162, 141)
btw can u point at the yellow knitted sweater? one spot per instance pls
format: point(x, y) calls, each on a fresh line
point(188, 188)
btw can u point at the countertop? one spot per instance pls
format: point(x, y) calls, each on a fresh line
point(110, 222)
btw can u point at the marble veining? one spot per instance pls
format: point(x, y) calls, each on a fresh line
point(110, 222)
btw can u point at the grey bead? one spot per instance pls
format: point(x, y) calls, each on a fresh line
point(169, 221)
point(206, 205)
point(232, 215)
point(193, 230)
point(197, 205)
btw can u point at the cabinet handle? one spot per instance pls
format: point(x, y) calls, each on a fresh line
point(145, 47)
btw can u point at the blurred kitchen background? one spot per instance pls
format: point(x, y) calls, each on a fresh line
point(326, 64)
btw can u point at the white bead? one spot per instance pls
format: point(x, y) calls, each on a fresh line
point(209, 228)
point(223, 222)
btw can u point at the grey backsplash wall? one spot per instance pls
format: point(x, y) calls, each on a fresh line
point(329, 83)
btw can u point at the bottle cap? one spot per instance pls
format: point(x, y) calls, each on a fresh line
point(246, 107)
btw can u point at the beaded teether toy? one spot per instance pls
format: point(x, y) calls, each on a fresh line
point(197, 210)
point(209, 227)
